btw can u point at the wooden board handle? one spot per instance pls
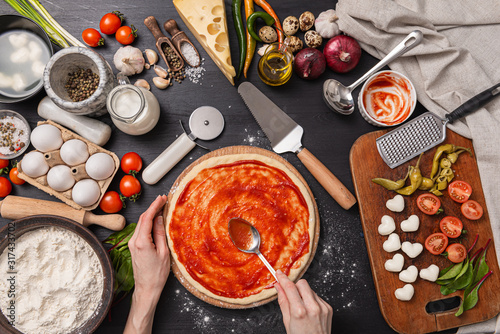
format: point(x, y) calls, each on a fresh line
point(15, 207)
point(326, 178)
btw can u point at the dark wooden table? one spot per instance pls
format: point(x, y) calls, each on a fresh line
point(340, 272)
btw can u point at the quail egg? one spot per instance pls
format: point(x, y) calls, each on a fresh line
point(46, 137)
point(306, 21)
point(100, 166)
point(290, 25)
point(60, 178)
point(313, 39)
point(34, 164)
point(86, 192)
point(294, 44)
point(268, 34)
point(74, 152)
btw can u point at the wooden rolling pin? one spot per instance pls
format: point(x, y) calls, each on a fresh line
point(15, 207)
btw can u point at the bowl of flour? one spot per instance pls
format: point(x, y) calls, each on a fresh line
point(55, 277)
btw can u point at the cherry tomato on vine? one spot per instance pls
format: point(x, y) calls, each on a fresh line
point(456, 253)
point(110, 22)
point(130, 187)
point(126, 35)
point(131, 163)
point(436, 243)
point(4, 166)
point(451, 226)
point(111, 202)
point(459, 191)
point(14, 176)
point(5, 187)
point(92, 37)
point(472, 210)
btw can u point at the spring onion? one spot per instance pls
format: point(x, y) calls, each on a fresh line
point(35, 11)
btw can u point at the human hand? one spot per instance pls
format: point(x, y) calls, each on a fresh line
point(151, 264)
point(303, 311)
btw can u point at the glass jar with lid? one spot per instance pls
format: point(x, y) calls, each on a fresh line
point(134, 110)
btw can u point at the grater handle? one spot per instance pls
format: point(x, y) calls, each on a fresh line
point(474, 103)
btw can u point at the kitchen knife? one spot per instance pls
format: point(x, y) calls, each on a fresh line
point(15, 207)
point(285, 136)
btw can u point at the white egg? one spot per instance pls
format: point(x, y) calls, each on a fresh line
point(100, 166)
point(46, 138)
point(60, 178)
point(34, 164)
point(86, 192)
point(74, 152)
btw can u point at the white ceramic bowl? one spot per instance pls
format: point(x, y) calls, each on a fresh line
point(8, 116)
point(392, 92)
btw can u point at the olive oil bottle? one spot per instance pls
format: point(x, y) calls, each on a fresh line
point(275, 67)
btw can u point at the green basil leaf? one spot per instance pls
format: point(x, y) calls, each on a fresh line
point(453, 272)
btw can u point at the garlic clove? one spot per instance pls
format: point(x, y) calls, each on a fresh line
point(161, 72)
point(161, 83)
point(152, 56)
point(147, 66)
point(142, 83)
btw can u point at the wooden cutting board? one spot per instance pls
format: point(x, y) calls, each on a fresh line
point(411, 316)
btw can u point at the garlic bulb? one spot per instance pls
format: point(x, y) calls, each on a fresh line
point(129, 60)
point(326, 24)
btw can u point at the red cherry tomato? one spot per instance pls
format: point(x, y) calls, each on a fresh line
point(131, 163)
point(436, 243)
point(126, 35)
point(110, 22)
point(111, 202)
point(429, 204)
point(459, 191)
point(4, 163)
point(130, 187)
point(92, 37)
point(5, 187)
point(451, 226)
point(472, 210)
point(456, 253)
point(14, 176)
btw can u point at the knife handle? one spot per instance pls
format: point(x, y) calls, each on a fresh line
point(326, 178)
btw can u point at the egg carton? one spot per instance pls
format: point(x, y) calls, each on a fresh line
point(53, 158)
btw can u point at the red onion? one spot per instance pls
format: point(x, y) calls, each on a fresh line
point(342, 53)
point(309, 63)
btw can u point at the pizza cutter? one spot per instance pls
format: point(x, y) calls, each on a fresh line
point(206, 123)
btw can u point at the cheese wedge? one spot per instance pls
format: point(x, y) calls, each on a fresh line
point(206, 19)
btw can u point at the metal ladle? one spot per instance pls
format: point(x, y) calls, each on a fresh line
point(339, 98)
point(254, 247)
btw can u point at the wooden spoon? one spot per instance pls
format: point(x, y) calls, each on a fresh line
point(161, 39)
point(178, 38)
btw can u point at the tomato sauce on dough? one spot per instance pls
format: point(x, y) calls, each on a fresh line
point(259, 193)
point(387, 99)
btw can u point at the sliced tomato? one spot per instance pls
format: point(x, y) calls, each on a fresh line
point(436, 243)
point(459, 191)
point(472, 210)
point(429, 204)
point(451, 226)
point(456, 253)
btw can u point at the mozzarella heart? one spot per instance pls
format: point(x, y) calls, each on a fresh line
point(431, 273)
point(392, 243)
point(387, 225)
point(395, 264)
point(411, 224)
point(396, 204)
point(412, 250)
point(405, 293)
point(409, 275)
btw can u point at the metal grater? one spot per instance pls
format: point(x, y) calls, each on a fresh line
point(408, 141)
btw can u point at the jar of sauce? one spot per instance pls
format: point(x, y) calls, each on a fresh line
point(134, 110)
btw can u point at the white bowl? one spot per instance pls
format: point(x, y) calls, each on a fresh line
point(395, 94)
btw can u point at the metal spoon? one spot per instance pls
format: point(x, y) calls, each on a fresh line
point(338, 97)
point(254, 246)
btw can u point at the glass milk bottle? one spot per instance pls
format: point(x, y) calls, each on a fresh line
point(134, 110)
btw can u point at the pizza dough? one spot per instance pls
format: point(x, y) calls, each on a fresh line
point(254, 187)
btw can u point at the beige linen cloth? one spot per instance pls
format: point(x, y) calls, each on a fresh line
point(458, 58)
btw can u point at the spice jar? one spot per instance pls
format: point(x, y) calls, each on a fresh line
point(134, 110)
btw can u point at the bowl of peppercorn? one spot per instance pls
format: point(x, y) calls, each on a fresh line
point(79, 80)
point(15, 134)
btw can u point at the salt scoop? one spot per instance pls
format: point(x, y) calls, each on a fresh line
point(247, 239)
point(161, 39)
point(178, 39)
point(206, 123)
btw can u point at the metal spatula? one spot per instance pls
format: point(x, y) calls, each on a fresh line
point(426, 131)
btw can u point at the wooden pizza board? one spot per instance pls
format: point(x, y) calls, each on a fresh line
point(230, 151)
point(411, 316)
